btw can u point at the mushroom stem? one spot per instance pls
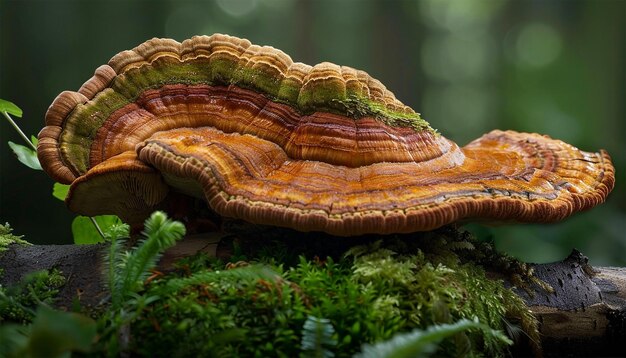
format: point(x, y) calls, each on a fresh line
point(17, 128)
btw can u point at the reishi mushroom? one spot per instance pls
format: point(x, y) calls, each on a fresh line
point(323, 148)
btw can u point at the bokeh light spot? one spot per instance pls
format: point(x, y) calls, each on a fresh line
point(237, 8)
point(538, 45)
point(457, 15)
point(462, 112)
point(458, 57)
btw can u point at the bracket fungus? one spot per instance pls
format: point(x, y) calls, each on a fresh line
point(271, 141)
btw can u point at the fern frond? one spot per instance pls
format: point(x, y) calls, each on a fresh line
point(160, 234)
point(126, 270)
point(317, 337)
point(112, 261)
point(514, 331)
point(360, 250)
point(422, 343)
point(117, 231)
point(460, 245)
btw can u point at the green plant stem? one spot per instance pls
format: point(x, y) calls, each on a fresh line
point(95, 224)
point(17, 128)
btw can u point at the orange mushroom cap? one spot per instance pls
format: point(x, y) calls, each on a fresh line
point(270, 141)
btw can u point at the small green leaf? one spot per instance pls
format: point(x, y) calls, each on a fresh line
point(59, 191)
point(10, 108)
point(26, 156)
point(56, 333)
point(347, 340)
point(34, 140)
point(85, 233)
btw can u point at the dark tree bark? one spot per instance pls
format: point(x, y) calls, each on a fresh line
point(586, 313)
point(584, 316)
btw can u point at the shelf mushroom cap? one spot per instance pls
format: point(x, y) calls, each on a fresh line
point(321, 148)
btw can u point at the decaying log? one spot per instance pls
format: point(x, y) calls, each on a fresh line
point(586, 313)
point(584, 316)
point(80, 264)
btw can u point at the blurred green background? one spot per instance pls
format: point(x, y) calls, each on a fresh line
point(553, 67)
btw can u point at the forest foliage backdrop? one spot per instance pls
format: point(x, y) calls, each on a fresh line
point(553, 67)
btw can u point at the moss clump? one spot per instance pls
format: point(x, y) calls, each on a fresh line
point(18, 303)
point(374, 291)
point(83, 123)
point(329, 95)
point(278, 299)
point(7, 238)
point(358, 106)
